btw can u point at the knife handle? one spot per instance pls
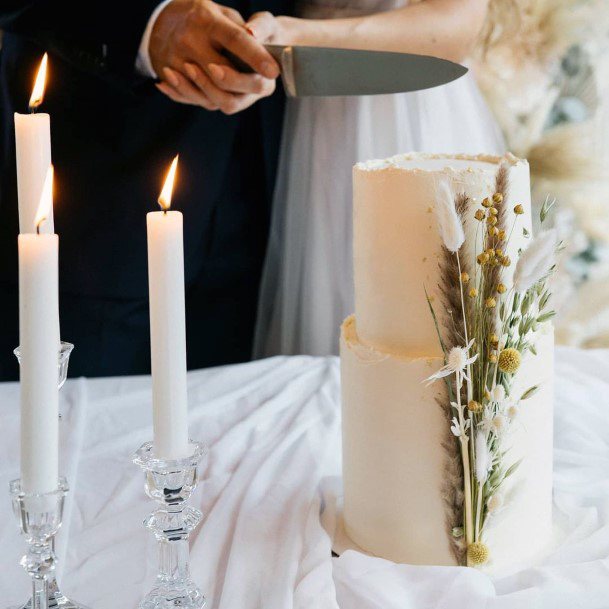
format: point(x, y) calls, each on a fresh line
point(237, 62)
point(282, 55)
point(276, 52)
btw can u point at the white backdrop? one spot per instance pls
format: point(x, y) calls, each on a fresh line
point(273, 428)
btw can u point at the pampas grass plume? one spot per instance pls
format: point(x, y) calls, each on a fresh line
point(536, 261)
point(483, 458)
point(449, 223)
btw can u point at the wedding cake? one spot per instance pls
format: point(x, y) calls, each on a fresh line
point(457, 471)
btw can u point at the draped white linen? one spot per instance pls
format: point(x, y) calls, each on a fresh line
point(273, 429)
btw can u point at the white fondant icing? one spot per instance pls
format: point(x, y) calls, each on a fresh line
point(393, 459)
point(397, 246)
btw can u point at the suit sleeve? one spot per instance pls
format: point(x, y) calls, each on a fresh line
point(102, 37)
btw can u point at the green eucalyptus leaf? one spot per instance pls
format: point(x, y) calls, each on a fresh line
point(530, 392)
point(546, 316)
point(512, 468)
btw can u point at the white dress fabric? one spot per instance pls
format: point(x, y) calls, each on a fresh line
point(269, 493)
point(307, 285)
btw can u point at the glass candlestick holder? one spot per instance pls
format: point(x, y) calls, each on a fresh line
point(171, 482)
point(63, 359)
point(40, 516)
point(55, 596)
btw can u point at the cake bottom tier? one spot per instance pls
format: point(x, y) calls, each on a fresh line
point(395, 460)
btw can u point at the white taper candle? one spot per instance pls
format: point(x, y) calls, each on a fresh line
point(33, 154)
point(39, 342)
point(168, 328)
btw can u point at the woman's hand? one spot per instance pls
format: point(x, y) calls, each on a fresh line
point(218, 87)
point(199, 74)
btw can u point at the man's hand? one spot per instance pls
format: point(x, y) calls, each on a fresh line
point(186, 51)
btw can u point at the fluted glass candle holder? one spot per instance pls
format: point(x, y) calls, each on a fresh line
point(63, 359)
point(40, 516)
point(55, 596)
point(171, 483)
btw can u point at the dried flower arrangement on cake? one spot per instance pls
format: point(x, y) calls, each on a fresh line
point(490, 320)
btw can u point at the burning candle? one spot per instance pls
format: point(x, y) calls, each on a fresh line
point(168, 326)
point(33, 151)
point(39, 341)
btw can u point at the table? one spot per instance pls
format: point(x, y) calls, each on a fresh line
point(273, 429)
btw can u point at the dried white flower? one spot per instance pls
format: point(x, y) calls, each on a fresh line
point(536, 261)
point(500, 424)
point(495, 502)
point(483, 458)
point(513, 411)
point(457, 361)
point(498, 393)
point(449, 223)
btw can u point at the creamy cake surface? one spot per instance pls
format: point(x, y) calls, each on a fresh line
point(394, 463)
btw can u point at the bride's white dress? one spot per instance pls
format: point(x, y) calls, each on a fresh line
point(307, 286)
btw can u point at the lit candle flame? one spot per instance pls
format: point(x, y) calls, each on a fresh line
point(165, 196)
point(46, 200)
point(38, 90)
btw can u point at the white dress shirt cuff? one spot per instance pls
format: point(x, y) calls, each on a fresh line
point(142, 63)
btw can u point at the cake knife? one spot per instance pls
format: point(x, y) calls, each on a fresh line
point(321, 71)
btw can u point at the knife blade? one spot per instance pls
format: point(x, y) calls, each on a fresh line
point(322, 71)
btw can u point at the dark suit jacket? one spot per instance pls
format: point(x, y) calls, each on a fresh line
point(113, 135)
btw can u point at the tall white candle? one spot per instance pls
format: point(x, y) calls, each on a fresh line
point(33, 152)
point(39, 342)
point(168, 327)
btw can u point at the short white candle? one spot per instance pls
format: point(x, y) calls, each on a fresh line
point(39, 342)
point(168, 327)
point(33, 152)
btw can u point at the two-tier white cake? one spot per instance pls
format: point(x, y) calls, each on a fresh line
point(394, 462)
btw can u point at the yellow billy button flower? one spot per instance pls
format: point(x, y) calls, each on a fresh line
point(497, 198)
point(491, 220)
point(487, 202)
point(477, 553)
point(499, 253)
point(505, 261)
point(490, 303)
point(501, 235)
point(483, 258)
point(480, 215)
point(493, 211)
point(519, 210)
point(493, 231)
point(501, 288)
point(473, 293)
point(464, 278)
point(510, 360)
point(474, 406)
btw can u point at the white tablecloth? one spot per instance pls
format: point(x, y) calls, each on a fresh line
point(273, 429)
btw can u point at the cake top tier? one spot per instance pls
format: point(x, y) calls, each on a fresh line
point(444, 163)
point(397, 247)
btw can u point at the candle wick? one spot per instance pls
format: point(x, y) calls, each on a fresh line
point(33, 109)
point(164, 212)
point(38, 228)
